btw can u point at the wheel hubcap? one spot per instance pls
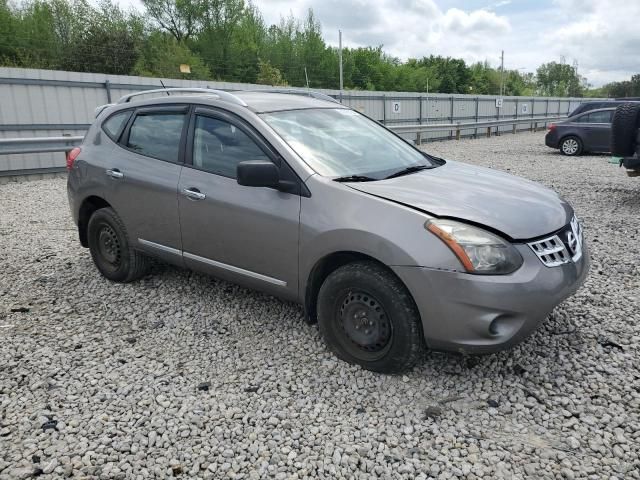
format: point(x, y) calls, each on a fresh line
point(570, 146)
point(365, 322)
point(109, 245)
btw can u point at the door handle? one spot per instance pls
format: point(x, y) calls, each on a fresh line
point(193, 194)
point(115, 173)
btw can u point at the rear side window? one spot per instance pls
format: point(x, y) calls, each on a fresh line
point(219, 146)
point(596, 117)
point(157, 135)
point(114, 124)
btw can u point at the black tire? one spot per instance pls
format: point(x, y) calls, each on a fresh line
point(110, 248)
point(571, 146)
point(367, 317)
point(624, 127)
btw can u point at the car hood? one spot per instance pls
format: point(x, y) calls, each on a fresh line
point(518, 208)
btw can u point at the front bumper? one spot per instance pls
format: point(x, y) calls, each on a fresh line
point(487, 313)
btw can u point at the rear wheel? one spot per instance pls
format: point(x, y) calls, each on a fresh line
point(571, 146)
point(624, 127)
point(367, 317)
point(110, 248)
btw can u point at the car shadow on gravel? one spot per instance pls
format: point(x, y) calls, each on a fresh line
point(287, 318)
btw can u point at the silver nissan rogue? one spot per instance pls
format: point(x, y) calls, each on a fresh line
point(389, 249)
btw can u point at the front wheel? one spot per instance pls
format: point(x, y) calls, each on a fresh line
point(110, 249)
point(367, 317)
point(571, 146)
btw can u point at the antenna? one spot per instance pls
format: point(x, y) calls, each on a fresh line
point(163, 86)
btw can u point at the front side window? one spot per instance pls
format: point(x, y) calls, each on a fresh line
point(219, 146)
point(341, 142)
point(157, 135)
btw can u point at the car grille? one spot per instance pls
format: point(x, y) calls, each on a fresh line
point(562, 247)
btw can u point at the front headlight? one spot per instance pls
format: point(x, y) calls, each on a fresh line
point(478, 250)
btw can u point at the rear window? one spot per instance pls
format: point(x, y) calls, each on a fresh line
point(157, 135)
point(115, 123)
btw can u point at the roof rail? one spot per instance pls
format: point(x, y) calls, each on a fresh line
point(298, 91)
point(221, 94)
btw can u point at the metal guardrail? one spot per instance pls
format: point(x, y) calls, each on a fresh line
point(435, 127)
point(64, 144)
point(460, 126)
point(10, 146)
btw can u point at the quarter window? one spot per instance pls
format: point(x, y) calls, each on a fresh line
point(157, 135)
point(219, 146)
point(115, 123)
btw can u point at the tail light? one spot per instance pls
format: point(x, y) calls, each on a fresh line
point(71, 157)
point(552, 127)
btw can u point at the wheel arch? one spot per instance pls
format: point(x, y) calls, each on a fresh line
point(89, 205)
point(324, 267)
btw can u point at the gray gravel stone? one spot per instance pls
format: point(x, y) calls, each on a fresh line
point(118, 366)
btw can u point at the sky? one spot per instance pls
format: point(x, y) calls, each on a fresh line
point(602, 36)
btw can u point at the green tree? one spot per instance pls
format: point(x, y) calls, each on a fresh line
point(269, 75)
point(7, 33)
point(453, 74)
point(246, 45)
point(625, 88)
point(162, 55)
point(220, 21)
point(181, 18)
point(109, 42)
point(558, 80)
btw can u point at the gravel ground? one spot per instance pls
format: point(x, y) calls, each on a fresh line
point(184, 375)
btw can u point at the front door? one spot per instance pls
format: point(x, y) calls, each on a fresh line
point(144, 170)
point(597, 126)
point(247, 235)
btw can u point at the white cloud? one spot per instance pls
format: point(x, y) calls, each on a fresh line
point(602, 36)
point(477, 23)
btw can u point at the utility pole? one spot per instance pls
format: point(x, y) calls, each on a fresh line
point(340, 57)
point(427, 100)
point(502, 74)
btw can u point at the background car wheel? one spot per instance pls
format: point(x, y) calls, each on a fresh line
point(110, 249)
point(624, 126)
point(367, 317)
point(571, 146)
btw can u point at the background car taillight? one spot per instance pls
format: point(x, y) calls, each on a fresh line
point(552, 127)
point(71, 157)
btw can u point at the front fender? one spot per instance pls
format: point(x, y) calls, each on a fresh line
point(340, 219)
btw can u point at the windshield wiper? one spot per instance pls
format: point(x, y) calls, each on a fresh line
point(408, 170)
point(354, 178)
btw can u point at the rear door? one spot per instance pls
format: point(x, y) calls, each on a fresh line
point(597, 130)
point(143, 176)
point(248, 235)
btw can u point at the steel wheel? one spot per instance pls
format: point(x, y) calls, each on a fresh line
point(109, 246)
point(367, 317)
point(110, 249)
point(364, 322)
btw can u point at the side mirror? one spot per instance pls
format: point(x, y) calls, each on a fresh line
point(258, 173)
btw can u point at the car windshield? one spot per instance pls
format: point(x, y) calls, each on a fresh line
point(343, 143)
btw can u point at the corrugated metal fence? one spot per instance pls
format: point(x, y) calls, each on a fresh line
point(41, 103)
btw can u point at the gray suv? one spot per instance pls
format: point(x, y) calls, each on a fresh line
point(389, 249)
